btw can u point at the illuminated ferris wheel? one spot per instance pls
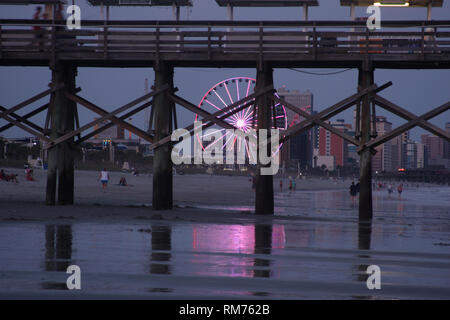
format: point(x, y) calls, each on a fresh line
point(226, 93)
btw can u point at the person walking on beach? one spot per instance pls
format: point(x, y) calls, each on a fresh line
point(353, 191)
point(104, 178)
point(389, 190)
point(294, 185)
point(400, 190)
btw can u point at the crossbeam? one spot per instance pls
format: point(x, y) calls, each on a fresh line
point(44, 93)
point(24, 119)
point(226, 112)
point(405, 127)
point(110, 124)
point(27, 129)
point(319, 122)
point(140, 133)
point(402, 112)
point(332, 111)
point(107, 116)
point(191, 107)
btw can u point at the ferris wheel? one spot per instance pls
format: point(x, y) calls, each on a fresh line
point(227, 92)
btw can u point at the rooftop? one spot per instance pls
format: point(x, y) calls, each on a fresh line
point(142, 3)
point(267, 3)
point(411, 3)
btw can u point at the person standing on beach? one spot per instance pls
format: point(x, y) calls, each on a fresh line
point(104, 178)
point(281, 185)
point(294, 185)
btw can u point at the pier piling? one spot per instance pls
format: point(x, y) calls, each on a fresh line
point(162, 162)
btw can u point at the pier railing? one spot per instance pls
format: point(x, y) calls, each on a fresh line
point(220, 40)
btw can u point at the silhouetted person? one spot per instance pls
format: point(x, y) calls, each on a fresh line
point(38, 34)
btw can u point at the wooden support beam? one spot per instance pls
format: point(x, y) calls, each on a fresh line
point(61, 116)
point(405, 127)
point(118, 121)
point(331, 111)
point(319, 122)
point(227, 111)
point(401, 112)
point(26, 128)
point(110, 124)
point(264, 202)
point(209, 123)
point(186, 104)
point(24, 119)
point(108, 116)
point(162, 161)
point(365, 80)
point(3, 114)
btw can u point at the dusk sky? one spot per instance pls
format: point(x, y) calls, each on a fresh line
point(110, 88)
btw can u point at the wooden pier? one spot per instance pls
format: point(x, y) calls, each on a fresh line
point(264, 45)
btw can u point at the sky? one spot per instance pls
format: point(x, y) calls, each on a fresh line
point(417, 90)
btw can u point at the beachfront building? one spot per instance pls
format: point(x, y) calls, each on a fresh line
point(299, 149)
point(333, 145)
point(382, 160)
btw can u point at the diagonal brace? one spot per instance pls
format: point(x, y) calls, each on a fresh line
point(107, 116)
point(399, 111)
point(3, 114)
point(331, 111)
point(319, 122)
point(405, 127)
point(140, 133)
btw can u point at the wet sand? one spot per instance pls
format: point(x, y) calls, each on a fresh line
point(210, 246)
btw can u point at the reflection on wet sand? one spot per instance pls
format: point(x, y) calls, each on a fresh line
point(58, 252)
point(263, 245)
point(364, 237)
point(161, 246)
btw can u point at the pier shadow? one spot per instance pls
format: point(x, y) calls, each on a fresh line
point(161, 247)
point(263, 245)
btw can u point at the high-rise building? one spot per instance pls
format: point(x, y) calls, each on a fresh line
point(435, 147)
point(409, 155)
point(397, 151)
point(422, 159)
point(332, 145)
point(382, 160)
point(298, 148)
